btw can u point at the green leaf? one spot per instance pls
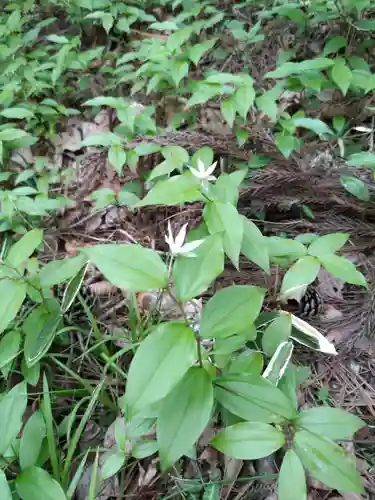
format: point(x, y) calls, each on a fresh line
point(267, 103)
point(112, 102)
point(35, 483)
point(178, 189)
point(284, 247)
point(175, 156)
point(231, 310)
point(224, 217)
point(9, 349)
point(12, 295)
point(192, 276)
point(228, 110)
point(286, 144)
point(254, 398)
point(244, 97)
point(302, 273)
point(144, 449)
point(291, 468)
point(31, 374)
point(204, 94)
point(308, 335)
point(159, 364)
point(226, 187)
point(130, 267)
point(342, 76)
point(57, 39)
point(58, 271)
point(279, 362)
point(333, 423)
point(342, 268)
point(5, 492)
point(327, 244)
point(17, 113)
point(205, 155)
point(248, 440)
point(40, 328)
point(277, 332)
point(247, 362)
point(362, 160)
point(117, 157)
point(31, 441)
point(327, 462)
point(356, 187)
point(24, 248)
point(291, 68)
point(184, 414)
point(112, 463)
point(105, 139)
point(254, 245)
point(72, 289)
point(313, 124)
point(179, 37)
point(12, 407)
point(195, 52)
point(334, 44)
point(12, 134)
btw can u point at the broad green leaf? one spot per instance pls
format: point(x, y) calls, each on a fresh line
point(112, 461)
point(72, 289)
point(284, 247)
point(40, 328)
point(333, 423)
point(254, 398)
point(231, 310)
point(58, 271)
point(105, 139)
point(327, 462)
point(5, 492)
point(342, 268)
point(112, 102)
point(247, 362)
point(179, 37)
point(277, 332)
point(184, 414)
point(254, 245)
point(31, 374)
point(175, 156)
point(12, 408)
point(130, 267)
point(248, 440)
point(334, 44)
point(356, 187)
point(12, 134)
point(228, 110)
point(302, 273)
point(31, 441)
point(57, 39)
point(178, 189)
point(12, 295)
point(192, 276)
point(162, 169)
point(117, 157)
point(226, 187)
point(144, 449)
point(177, 71)
point(196, 51)
point(224, 217)
point(159, 364)
point(291, 68)
point(279, 362)
point(286, 144)
point(205, 155)
point(244, 97)
point(307, 335)
point(23, 249)
point(9, 349)
point(342, 76)
point(267, 103)
point(327, 244)
point(204, 93)
point(292, 480)
point(17, 113)
point(313, 124)
point(35, 483)
point(362, 160)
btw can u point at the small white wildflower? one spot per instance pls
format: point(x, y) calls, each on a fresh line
point(202, 174)
point(177, 246)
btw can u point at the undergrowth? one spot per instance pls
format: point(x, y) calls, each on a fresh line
point(226, 365)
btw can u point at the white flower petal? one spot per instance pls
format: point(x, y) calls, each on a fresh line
point(180, 238)
point(190, 246)
point(201, 166)
point(211, 168)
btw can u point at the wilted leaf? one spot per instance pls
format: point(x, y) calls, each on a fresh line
point(310, 333)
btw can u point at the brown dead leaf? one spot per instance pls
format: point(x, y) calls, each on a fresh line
point(103, 287)
point(145, 477)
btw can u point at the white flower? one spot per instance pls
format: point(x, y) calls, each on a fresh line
point(177, 246)
point(202, 174)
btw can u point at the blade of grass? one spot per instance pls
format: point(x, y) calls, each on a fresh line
point(52, 448)
point(94, 477)
point(77, 477)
